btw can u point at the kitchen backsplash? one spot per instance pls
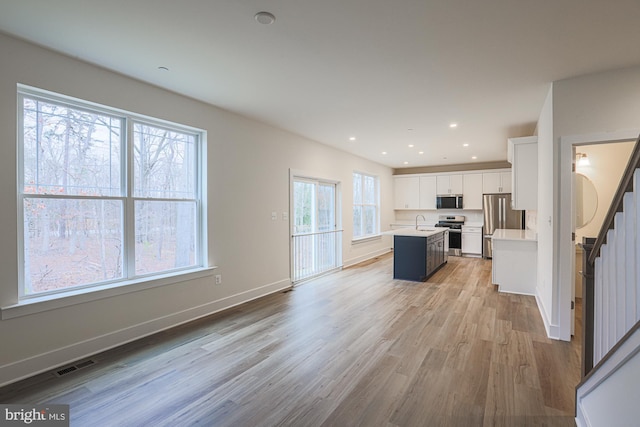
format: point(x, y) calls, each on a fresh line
point(432, 216)
point(531, 220)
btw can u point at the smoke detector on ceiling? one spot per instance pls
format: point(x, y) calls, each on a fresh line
point(265, 18)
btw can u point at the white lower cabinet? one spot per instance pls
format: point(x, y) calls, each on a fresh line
point(514, 263)
point(471, 240)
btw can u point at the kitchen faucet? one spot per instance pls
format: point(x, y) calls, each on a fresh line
point(423, 218)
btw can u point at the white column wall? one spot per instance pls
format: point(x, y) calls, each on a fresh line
point(545, 217)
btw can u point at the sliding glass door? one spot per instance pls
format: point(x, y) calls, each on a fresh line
point(316, 241)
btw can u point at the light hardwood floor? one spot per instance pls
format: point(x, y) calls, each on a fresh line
point(352, 348)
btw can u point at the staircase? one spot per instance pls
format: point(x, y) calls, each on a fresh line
point(608, 393)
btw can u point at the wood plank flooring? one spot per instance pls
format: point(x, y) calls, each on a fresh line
point(355, 348)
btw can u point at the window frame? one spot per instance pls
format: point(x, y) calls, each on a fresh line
point(129, 281)
point(362, 205)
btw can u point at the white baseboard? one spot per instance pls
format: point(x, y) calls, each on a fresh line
point(516, 293)
point(553, 331)
point(34, 365)
point(365, 257)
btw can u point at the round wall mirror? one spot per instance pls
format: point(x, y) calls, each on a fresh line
point(586, 200)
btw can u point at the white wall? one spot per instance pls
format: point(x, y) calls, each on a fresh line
point(607, 165)
point(248, 164)
point(545, 214)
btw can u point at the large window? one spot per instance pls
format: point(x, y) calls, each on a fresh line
point(104, 196)
point(366, 206)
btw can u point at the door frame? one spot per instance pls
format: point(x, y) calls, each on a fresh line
point(566, 246)
point(318, 177)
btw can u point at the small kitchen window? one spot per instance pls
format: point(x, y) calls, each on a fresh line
point(366, 206)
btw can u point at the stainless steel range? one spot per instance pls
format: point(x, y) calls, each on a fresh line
point(454, 224)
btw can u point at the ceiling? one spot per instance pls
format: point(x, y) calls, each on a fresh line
point(392, 74)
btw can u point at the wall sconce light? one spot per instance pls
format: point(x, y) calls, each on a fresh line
point(582, 159)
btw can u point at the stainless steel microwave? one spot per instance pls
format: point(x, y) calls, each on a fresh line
point(449, 202)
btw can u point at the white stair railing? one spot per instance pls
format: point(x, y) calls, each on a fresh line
point(616, 280)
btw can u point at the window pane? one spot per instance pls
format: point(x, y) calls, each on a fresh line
point(164, 163)
point(357, 221)
point(165, 236)
point(70, 151)
point(326, 207)
point(369, 190)
point(303, 210)
point(369, 220)
point(357, 188)
point(71, 242)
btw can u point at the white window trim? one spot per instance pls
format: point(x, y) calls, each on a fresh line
point(376, 234)
point(38, 304)
point(365, 239)
point(30, 304)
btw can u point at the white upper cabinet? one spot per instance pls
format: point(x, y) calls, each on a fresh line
point(496, 182)
point(523, 155)
point(472, 191)
point(449, 184)
point(406, 192)
point(427, 192)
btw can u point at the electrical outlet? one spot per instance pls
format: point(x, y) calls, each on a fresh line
point(285, 216)
point(274, 215)
point(218, 279)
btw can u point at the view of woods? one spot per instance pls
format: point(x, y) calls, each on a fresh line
point(86, 221)
point(364, 205)
point(315, 235)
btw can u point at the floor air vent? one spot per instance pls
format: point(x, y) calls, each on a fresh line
point(68, 369)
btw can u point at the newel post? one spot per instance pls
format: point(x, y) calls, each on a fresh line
point(587, 306)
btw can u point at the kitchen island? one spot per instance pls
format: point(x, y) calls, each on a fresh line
point(418, 253)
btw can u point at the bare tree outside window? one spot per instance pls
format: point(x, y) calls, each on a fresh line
point(75, 191)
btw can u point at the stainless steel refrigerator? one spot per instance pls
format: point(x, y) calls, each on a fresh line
point(498, 214)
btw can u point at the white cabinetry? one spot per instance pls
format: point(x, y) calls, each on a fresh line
point(523, 155)
point(449, 184)
point(427, 192)
point(471, 240)
point(496, 182)
point(472, 191)
point(514, 265)
point(406, 192)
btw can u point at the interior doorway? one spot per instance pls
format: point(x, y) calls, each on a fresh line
point(597, 173)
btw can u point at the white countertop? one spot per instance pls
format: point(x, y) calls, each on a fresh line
point(420, 232)
point(473, 223)
point(508, 234)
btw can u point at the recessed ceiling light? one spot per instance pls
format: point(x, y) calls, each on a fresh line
point(384, 152)
point(420, 152)
point(474, 157)
point(410, 145)
point(406, 163)
point(465, 145)
point(163, 69)
point(352, 138)
point(453, 125)
point(265, 18)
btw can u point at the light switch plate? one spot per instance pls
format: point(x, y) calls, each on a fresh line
point(274, 215)
point(285, 216)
